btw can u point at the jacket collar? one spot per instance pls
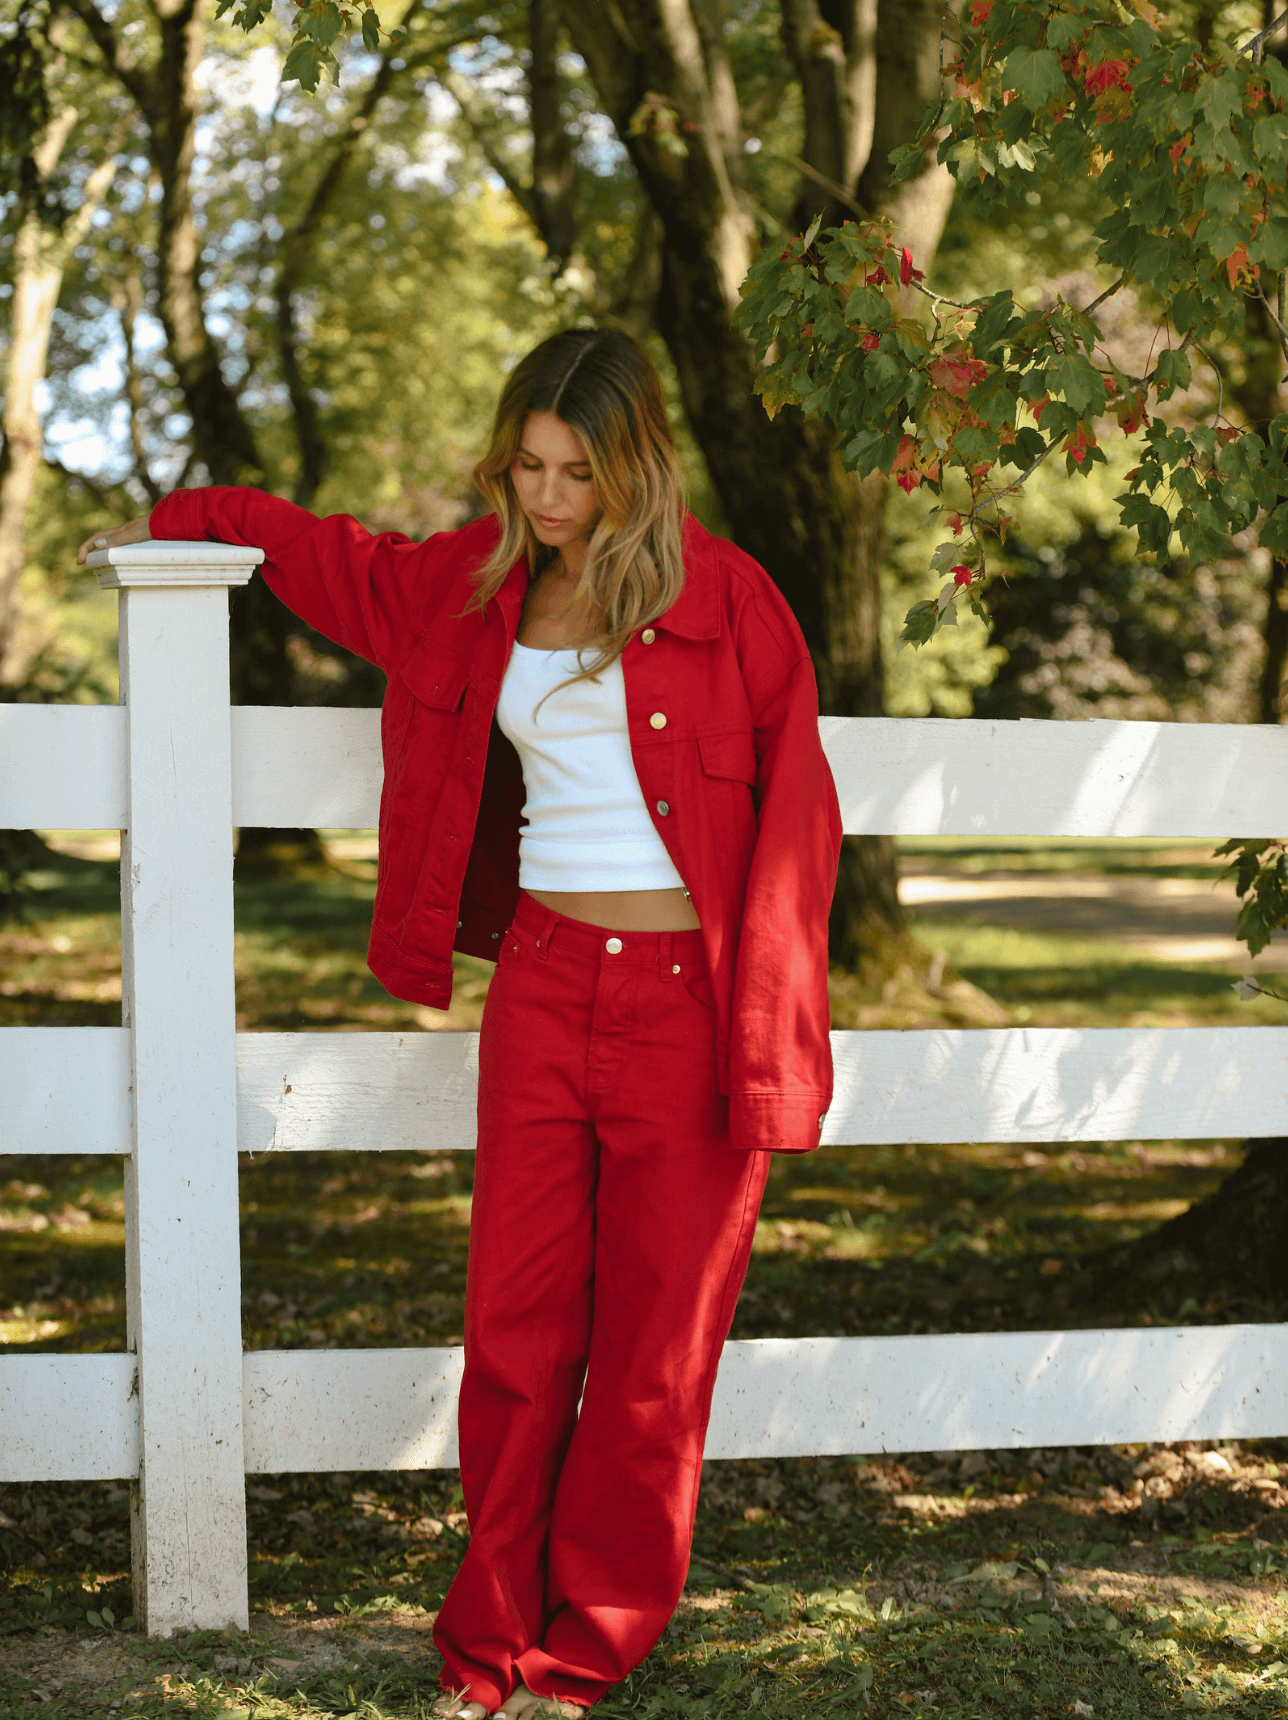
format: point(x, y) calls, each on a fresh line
point(695, 614)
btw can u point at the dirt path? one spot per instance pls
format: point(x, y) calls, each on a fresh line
point(1184, 920)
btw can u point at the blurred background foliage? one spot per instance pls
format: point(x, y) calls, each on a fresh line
point(391, 212)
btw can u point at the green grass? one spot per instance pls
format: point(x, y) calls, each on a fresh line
point(1135, 1581)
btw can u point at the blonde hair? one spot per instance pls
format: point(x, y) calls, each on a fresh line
point(602, 384)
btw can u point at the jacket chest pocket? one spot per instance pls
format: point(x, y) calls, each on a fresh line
point(429, 705)
point(436, 680)
point(730, 756)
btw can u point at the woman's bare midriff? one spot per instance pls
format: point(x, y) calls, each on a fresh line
point(623, 910)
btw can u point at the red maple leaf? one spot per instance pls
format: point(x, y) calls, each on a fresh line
point(1130, 412)
point(961, 575)
point(1239, 269)
point(1108, 75)
point(1079, 444)
point(957, 375)
point(906, 462)
point(979, 11)
point(870, 342)
point(906, 271)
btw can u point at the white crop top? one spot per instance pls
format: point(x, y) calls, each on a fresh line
point(588, 828)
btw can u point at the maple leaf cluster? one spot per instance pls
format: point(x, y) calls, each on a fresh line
point(1188, 147)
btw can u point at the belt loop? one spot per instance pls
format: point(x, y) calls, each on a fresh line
point(546, 933)
point(664, 956)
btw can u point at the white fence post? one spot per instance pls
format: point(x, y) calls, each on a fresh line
point(183, 1270)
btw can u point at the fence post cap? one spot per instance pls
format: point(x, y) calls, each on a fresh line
point(164, 563)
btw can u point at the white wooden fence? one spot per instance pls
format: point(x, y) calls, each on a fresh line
point(184, 1414)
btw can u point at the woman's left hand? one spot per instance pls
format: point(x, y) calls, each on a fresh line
point(137, 531)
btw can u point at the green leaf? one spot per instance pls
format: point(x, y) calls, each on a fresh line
point(1035, 74)
point(1271, 244)
point(1274, 533)
point(370, 31)
point(1080, 382)
point(305, 62)
point(811, 232)
point(1172, 371)
point(920, 625)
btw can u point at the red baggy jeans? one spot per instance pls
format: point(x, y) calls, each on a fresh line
point(610, 1233)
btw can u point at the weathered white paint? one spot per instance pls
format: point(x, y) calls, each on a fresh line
point(361, 1092)
point(63, 767)
point(73, 1417)
point(183, 1277)
point(1058, 1084)
point(786, 1397)
point(942, 776)
point(415, 1092)
point(68, 1418)
point(306, 768)
point(65, 1090)
point(306, 1410)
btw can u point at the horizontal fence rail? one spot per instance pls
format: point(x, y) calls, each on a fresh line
point(63, 767)
point(309, 1410)
point(415, 1092)
point(184, 1414)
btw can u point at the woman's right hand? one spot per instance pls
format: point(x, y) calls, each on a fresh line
point(137, 531)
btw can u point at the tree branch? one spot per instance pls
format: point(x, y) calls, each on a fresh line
point(293, 252)
point(522, 194)
point(1277, 320)
point(115, 60)
point(1258, 42)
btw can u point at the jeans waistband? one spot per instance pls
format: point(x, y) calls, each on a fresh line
point(547, 930)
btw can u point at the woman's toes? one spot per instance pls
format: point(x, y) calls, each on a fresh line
point(524, 1704)
point(458, 1708)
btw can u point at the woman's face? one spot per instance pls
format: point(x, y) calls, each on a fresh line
point(552, 480)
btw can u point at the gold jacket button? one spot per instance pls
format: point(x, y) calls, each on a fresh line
point(614, 946)
point(657, 720)
point(663, 807)
point(647, 636)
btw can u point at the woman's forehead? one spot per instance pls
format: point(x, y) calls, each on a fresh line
point(550, 439)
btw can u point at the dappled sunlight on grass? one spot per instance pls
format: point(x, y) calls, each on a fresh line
point(1138, 1581)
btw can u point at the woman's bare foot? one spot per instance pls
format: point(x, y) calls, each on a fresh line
point(452, 1707)
point(525, 1704)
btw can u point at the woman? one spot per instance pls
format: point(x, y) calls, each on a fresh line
point(602, 768)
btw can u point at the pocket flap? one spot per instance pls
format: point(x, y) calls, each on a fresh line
point(731, 755)
point(434, 679)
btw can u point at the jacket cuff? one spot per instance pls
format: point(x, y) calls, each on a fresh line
point(179, 516)
point(776, 1122)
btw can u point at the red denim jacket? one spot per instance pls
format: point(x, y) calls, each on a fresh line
point(723, 716)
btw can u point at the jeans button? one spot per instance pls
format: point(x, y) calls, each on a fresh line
point(614, 946)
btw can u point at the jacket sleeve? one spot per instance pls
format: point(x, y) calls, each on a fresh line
point(357, 587)
point(780, 1071)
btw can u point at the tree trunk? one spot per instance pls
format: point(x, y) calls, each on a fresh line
point(39, 260)
point(661, 73)
point(1275, 633)
point(223, 436)
point(1231, 1246)
point(554, 174)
